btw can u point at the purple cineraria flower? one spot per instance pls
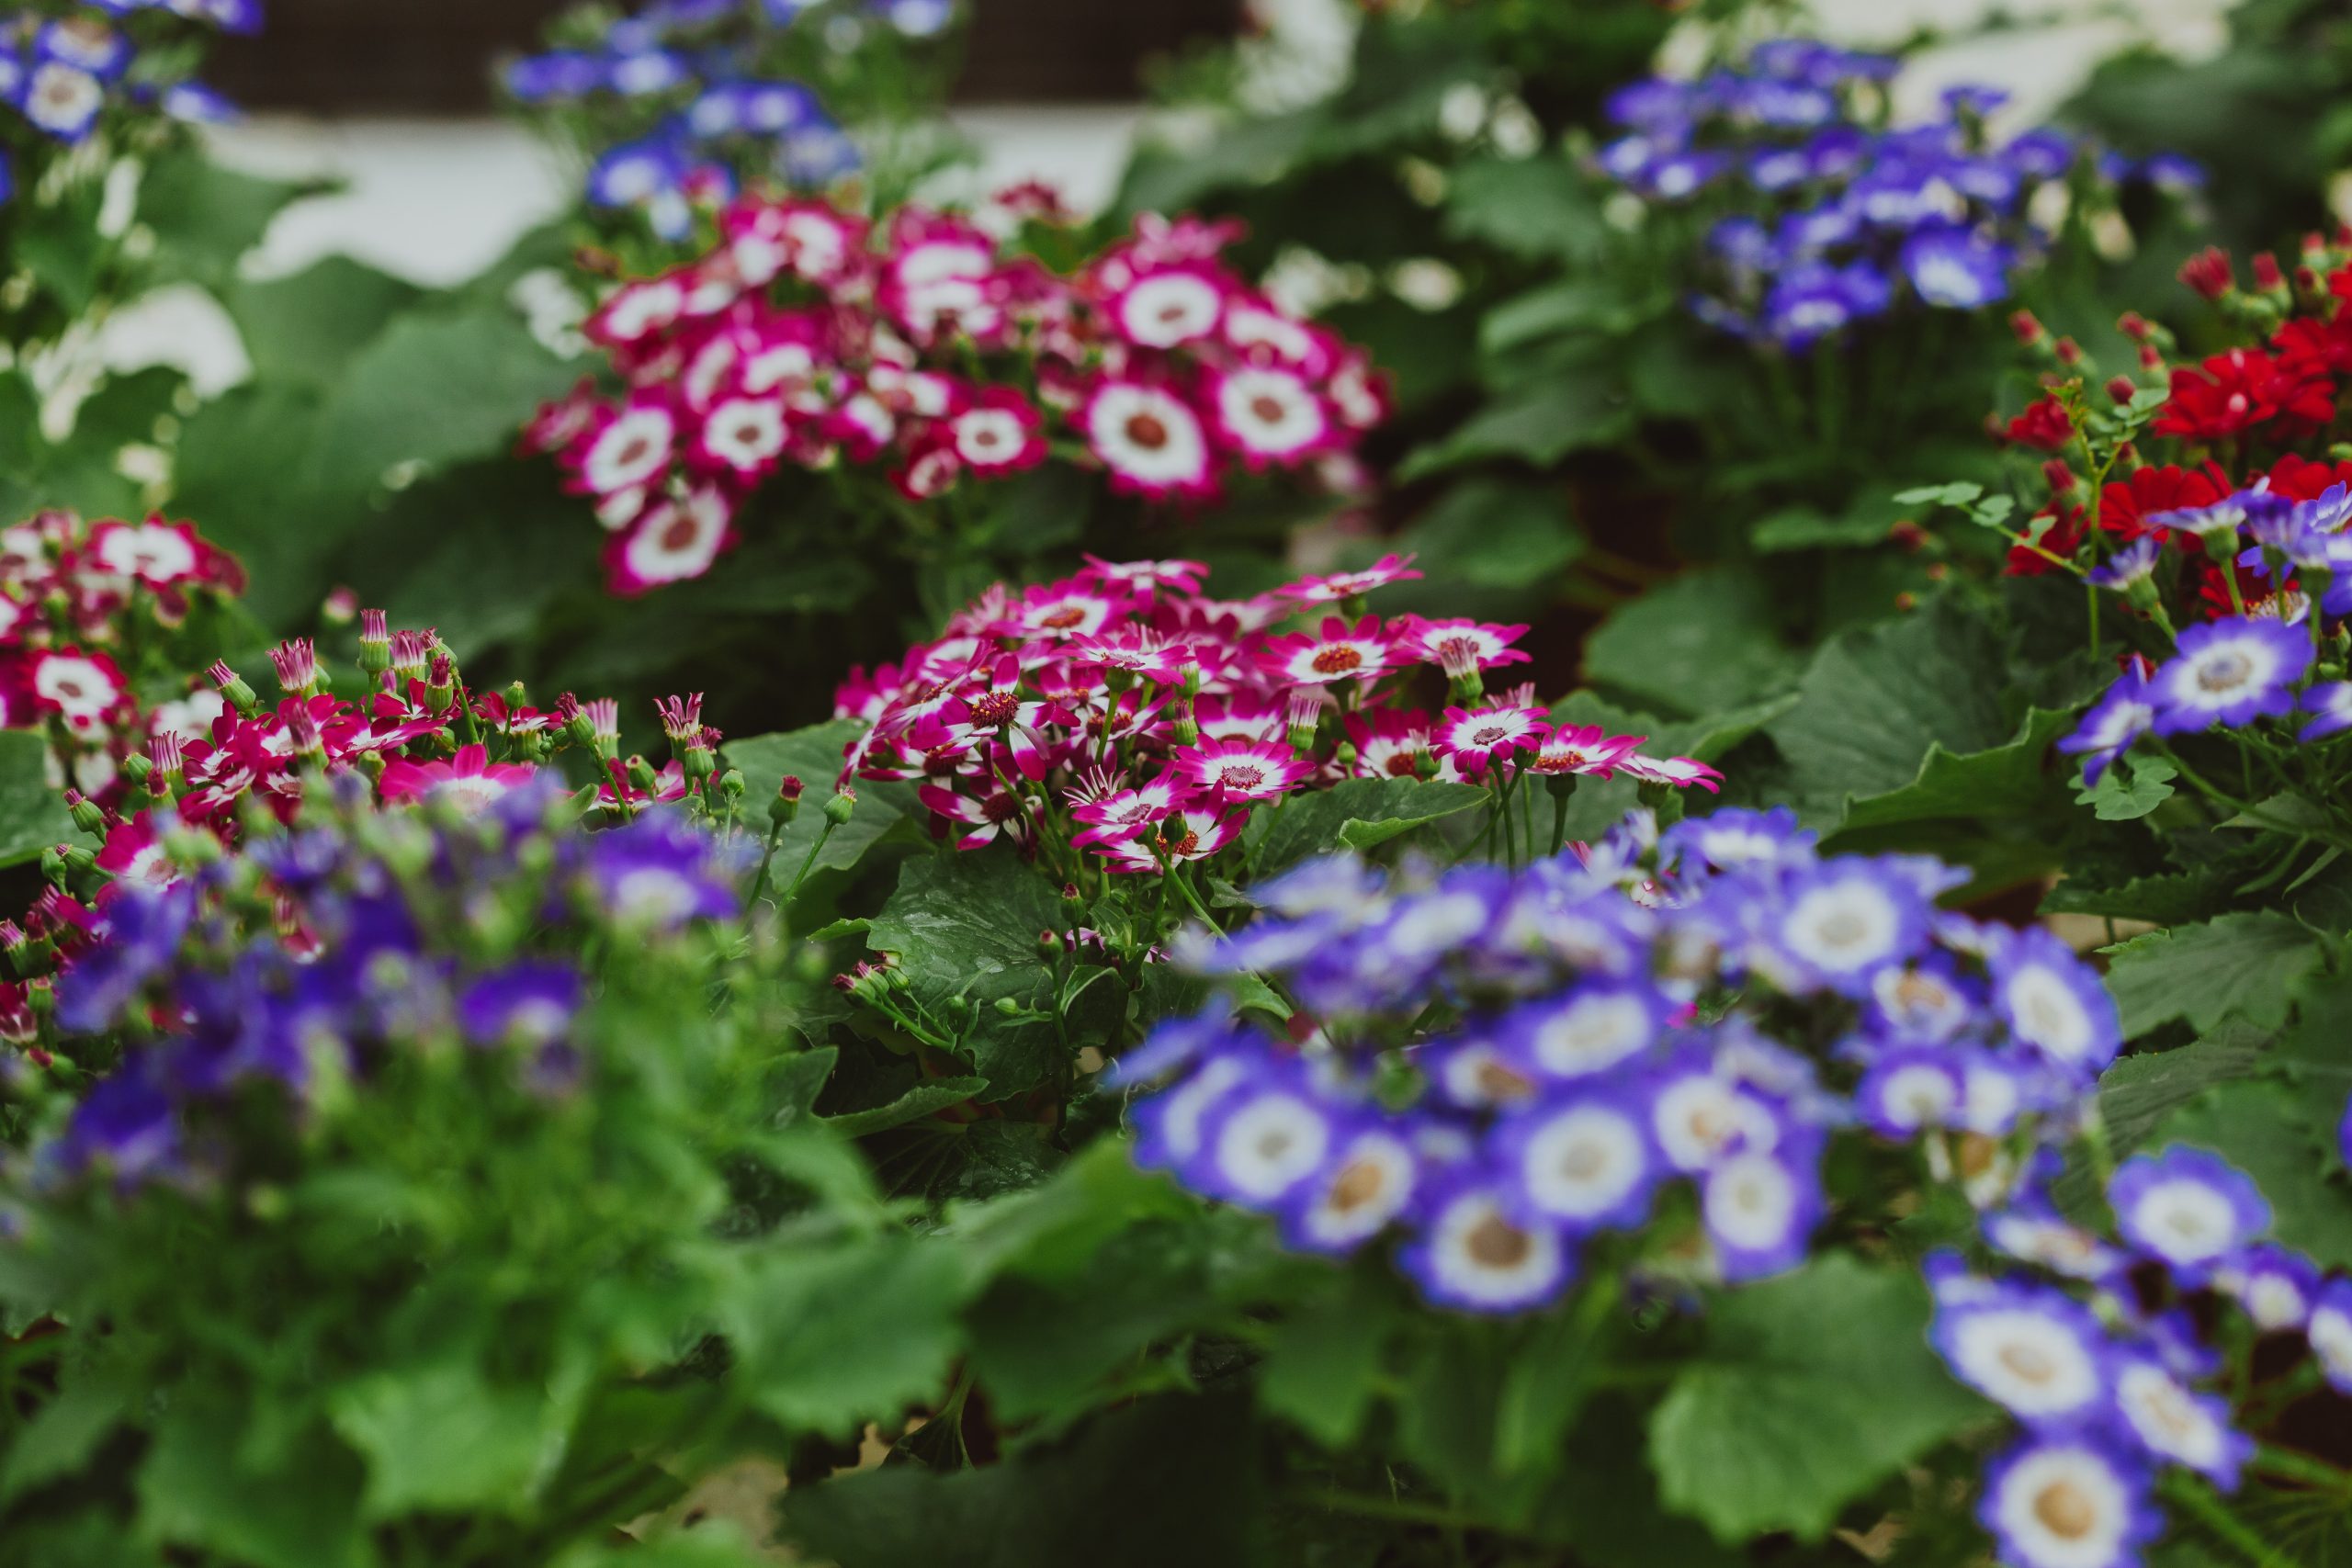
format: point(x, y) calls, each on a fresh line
point(1761, 1206)
point(2230, 672)
point(2274, 1286)
point(2330, 705)
point(2131, 565)
point(2115, 721)
point(528, 1003)
point(1957, 269)
point(1910, 1089)
point(556, 76)
point(2187, 1207)
point(1476, 1071)
point(2033, 1231)
point(1926, 1001)
point(2177, 1425)
point(1846, 920)
point(2225, 516)
point(1587, 1030)
point(2035, 1351)
point(138, 942)
point(1473, 1253)
point(2330, 1330)
point(1735, 839)
point(1262, 1143)
point(2054, 1003)
point(2068, 1502)
point(127, 1127)
point(1698, 1116)
point(1371, 1179)
point(1175, 1044)
point(1168, 1124)
point(1583, 1161)
point(658, 873)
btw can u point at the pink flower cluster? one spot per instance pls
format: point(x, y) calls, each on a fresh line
point(84, 608)
point(921, 350)
point(1124, 713)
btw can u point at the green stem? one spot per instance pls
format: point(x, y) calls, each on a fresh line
point(2198, 1500)
point(806, 863)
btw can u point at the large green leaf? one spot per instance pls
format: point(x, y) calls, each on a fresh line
point(1538, 420)
point(431, 391)
point(1876, 703)
point(814, 757)
point(440, 1438)
point(1701, 643)
point(1810, 1391)
point(1541, 209)
point(207, 216)
point(193, 1493)
point(1175, 1481)
point(826, 1344)
point(307, 327)
point(1356, 814)
point(2239, 965)
point(1494, 533)
point(32, 815)
point(964, 927)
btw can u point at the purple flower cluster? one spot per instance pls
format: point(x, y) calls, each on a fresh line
point(1832, 216)
point(2100, 1360)
point(61, 73)
point(305, 957)
point(1504, 1065)
point(703, 65)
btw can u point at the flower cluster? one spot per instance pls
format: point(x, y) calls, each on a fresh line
point(923, 351)
point(1124, 713)
point(1507, 1067)
point(299, 961)
point(1832, 216)
point(687, 98)
point(2108, 1353)
point(88, 614)
point(63, 74)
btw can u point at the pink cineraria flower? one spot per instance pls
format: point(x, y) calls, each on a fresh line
point(629, 448)
point(1175, 840)
point(744, 436)
point(1475, 740)
point(1336, 652)
point(1270, 415)
point(676, 540)
point(1172, 305)
point(981, 818)
point(1140, 653)
point(470, 781)
point(1681, 772)
point(82, 688)
point(1144, 579)
point(1584, 748)
point(157, 553)
point(1464, 649)
point(1340, 585)
point(1151, 441)
point(1228, 773)
point(1389, 744)
point(1000, 434)
point(1062, 610)
point(1113, 812)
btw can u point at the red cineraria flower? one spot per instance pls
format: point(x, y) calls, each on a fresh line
point(2045, 426)
point(2236, 391)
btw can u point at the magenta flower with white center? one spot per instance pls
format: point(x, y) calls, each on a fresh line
point(1473, 741)
point(1336, 651)
point(1230, 772)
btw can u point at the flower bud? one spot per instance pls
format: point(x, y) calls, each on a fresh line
point(136, 768)
point(375, 644)
point(297, 663)
point(233, 688)
point(2122, 389)
point(2027, 328)
point(2210, 273)
point(2069, 352)
point(641, 778)
point(441, 684)
point(731, 784)
point(2267, 274)
point(838, 809)
point(88, 816)
point(786, 803)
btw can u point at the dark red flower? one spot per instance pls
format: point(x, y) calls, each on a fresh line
point(2236, 391)
point(2045, 426)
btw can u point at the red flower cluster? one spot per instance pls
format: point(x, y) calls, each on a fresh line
point(1124, 713)
point(2273, 400)
point(923, 351)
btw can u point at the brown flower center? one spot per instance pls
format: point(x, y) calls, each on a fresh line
point(1337, 660)
point(2064, 1511)
point(1495, 1243)
point(1148, 430)
point(1358, 1182)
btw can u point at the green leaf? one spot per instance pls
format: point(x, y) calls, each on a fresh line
point(32, 815)
point(1174, 1482)
point(1494, 533)
point(1804, 527)
point(2240, 965)
point(1357, 814)
point(309, 326)
point(1538, 209)
point(1958, 494)
point(1811, 1390)
point(938, 1094)
point(1876, 701)
point(442, 1438)
point(814, 757)
point(207, 216)
point(431, 391)
point(1323, 1367)
point(60, 1437)
point(2138, 1092)
point(966, 926)
point(2014, 780)
point(194, 1494)
point(1701, 643)
point(2130, 789)
point(825, 1343)
point(1571, 305)
point(1538, 420)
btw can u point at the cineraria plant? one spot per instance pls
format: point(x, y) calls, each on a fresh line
point(916, 365)
point(678, 104)
point(450, 1202)
point(2181, 1362)
point(1507, 1070)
